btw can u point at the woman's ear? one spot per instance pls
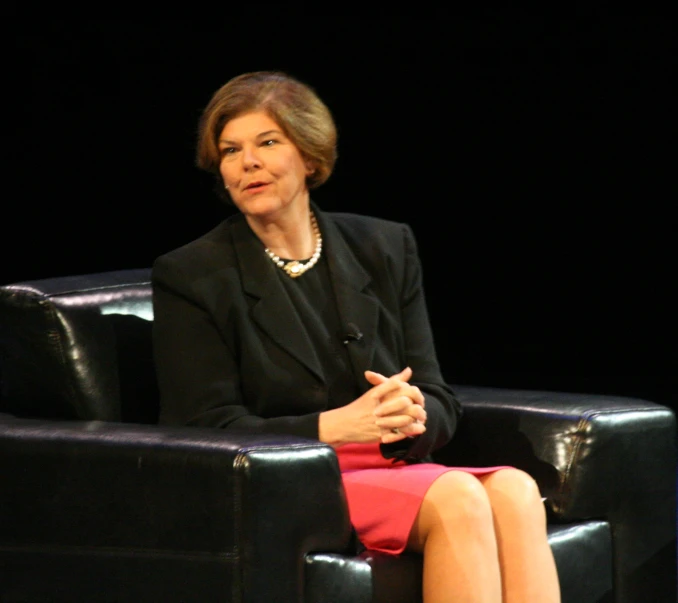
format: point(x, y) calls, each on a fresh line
point(310, 167)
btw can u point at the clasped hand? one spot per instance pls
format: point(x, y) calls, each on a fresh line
point(399, 410)
point(389, 411)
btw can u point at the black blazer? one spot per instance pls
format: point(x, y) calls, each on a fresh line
point(226, 341)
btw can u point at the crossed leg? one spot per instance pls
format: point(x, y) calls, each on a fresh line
point(484, 540)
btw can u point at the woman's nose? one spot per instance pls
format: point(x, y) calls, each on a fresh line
point(250, 157)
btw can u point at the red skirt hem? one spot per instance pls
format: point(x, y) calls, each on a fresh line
point(383, 497)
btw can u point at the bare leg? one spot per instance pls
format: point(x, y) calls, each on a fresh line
point(527, 566)
point(454, 530)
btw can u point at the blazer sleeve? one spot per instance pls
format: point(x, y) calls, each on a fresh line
point(197, 371)
point(442, 407)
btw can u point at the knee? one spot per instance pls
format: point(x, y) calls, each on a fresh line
point(515, 491)
point(459, 497)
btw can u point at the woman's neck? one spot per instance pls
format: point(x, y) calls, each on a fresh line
point(289, 235)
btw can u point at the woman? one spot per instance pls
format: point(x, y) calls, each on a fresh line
point(285, 319)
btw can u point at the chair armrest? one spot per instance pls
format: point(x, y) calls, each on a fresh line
point(594, 457)
point(257, 503)
point(586, 451)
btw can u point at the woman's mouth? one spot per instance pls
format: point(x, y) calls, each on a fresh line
point(255, 187)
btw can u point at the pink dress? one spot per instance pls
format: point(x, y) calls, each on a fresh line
point(384, 497)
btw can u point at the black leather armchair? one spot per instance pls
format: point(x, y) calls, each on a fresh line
point(97, 503)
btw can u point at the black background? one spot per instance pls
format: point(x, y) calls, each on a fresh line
point(533, 156)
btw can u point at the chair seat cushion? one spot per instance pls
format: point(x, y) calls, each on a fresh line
point(583, 553)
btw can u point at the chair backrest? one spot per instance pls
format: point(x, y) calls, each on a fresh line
point(79, 347)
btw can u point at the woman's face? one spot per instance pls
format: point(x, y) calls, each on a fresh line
point(262, 169)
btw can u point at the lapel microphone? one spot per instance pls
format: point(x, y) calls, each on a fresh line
point(353, 334)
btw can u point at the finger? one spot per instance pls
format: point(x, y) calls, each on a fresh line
point(417, 396)
point(395, 379)
point(414, 429)
point(418, 413)
point(396, 422)
point(387, 387)
point(408, 409)
point(404, 375)
point(396, 401)
point(388, 436)
point(411, 391)
point(376, 378)
point(419, 399)
point(393, 404)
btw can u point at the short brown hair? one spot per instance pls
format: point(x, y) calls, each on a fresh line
point(292, 104)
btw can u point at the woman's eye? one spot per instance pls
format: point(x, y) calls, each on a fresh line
point(269, 143)
point(227, 151)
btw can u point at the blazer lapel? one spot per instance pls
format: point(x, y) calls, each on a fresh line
point(273, 311)
point(358, 310)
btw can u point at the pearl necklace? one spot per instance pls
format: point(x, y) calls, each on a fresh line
point(296, 268)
